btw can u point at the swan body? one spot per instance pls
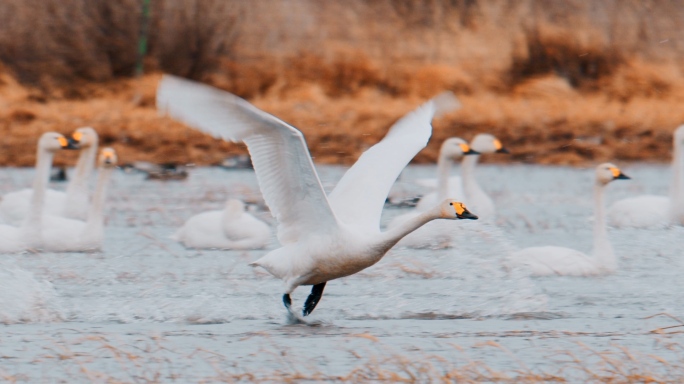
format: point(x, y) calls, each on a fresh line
point(549, 260)
point(230, 228)
point(61, 234)
point(73, 203)
point(323, 237)
point(651, 211)
point(28, 234)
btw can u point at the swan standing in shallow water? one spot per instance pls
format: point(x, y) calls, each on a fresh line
point(649, 211)
point(28, 235)
point(323, 237)
point(70, 235)
point(230, 228)
point(550, 260)
point(467, 187)
point(73, 203)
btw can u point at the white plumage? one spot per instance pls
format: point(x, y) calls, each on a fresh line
point(229, 228)
point(60, 234)
point(551, 260)
point(651, 211)
point(15, 206)
point(323, 237)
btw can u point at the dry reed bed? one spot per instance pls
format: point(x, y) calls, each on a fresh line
point(541, 121)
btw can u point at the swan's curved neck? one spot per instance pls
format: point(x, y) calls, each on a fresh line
point(96, 213)
point(677, 187)
point(77, 190)
point(444, 164)
point(603, 250)
point(470, 186)
point(34, 220)
point(392, 236)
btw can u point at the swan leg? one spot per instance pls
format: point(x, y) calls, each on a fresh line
point(287, 301)
point(313, 299)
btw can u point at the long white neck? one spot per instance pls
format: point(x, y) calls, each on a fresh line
point(77, 190)
point(390, 237)
point(32, 225)
point(444, 164)
point(94, 230)
point(470, 186)
point(677, 186)
point(603, 250)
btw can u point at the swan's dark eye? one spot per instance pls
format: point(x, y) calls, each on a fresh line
point(451, 203)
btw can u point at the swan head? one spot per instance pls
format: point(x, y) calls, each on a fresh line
point(486, 143)
point(53, 142)
point(607, 172)
point(85, 137)
point(455, 148)
point(108, 158)
point(454, 210)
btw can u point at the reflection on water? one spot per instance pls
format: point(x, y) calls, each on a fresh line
point(146, 290)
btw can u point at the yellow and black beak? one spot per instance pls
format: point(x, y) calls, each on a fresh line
point(468, 150)
point(68, 143)
point(499, 147)
point(462, 212)
point(618, 175)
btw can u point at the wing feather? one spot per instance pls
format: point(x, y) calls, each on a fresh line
point(360, 195)
point(282, 163)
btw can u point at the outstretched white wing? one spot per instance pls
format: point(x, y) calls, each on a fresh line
point(281, 159)
point(360, 195)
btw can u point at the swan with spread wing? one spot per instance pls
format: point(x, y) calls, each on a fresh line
point(323, 237)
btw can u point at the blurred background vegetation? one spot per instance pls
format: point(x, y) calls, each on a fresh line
point(563, 82)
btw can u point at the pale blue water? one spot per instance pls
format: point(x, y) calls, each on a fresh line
point(147, 309)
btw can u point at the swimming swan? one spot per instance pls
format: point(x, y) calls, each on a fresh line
point(436, 234)
point(655, 211)
point(466, 189)
point(73, 203)
point(230, 228)
point(28, 234)
point(323, 237)
point(550, 260)
point(70, 235)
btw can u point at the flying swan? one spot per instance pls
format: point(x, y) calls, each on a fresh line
point(323, 237)
point(550, 260)
point(650, 211)
point(230, 228)
point(73, 203)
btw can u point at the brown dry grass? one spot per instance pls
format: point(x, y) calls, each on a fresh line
point(560, 82)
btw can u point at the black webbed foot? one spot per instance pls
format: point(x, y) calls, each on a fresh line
point(313, 299)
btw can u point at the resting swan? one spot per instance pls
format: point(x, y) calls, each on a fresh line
point(655, 211)
point(466, 188)
point(28, 235)
point(550, 260)
point(435, 234)
point(323, 237)
point(14, 206)
point(70, 235)
point(230, 228)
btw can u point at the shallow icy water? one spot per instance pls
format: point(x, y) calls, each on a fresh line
point(147, 309)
